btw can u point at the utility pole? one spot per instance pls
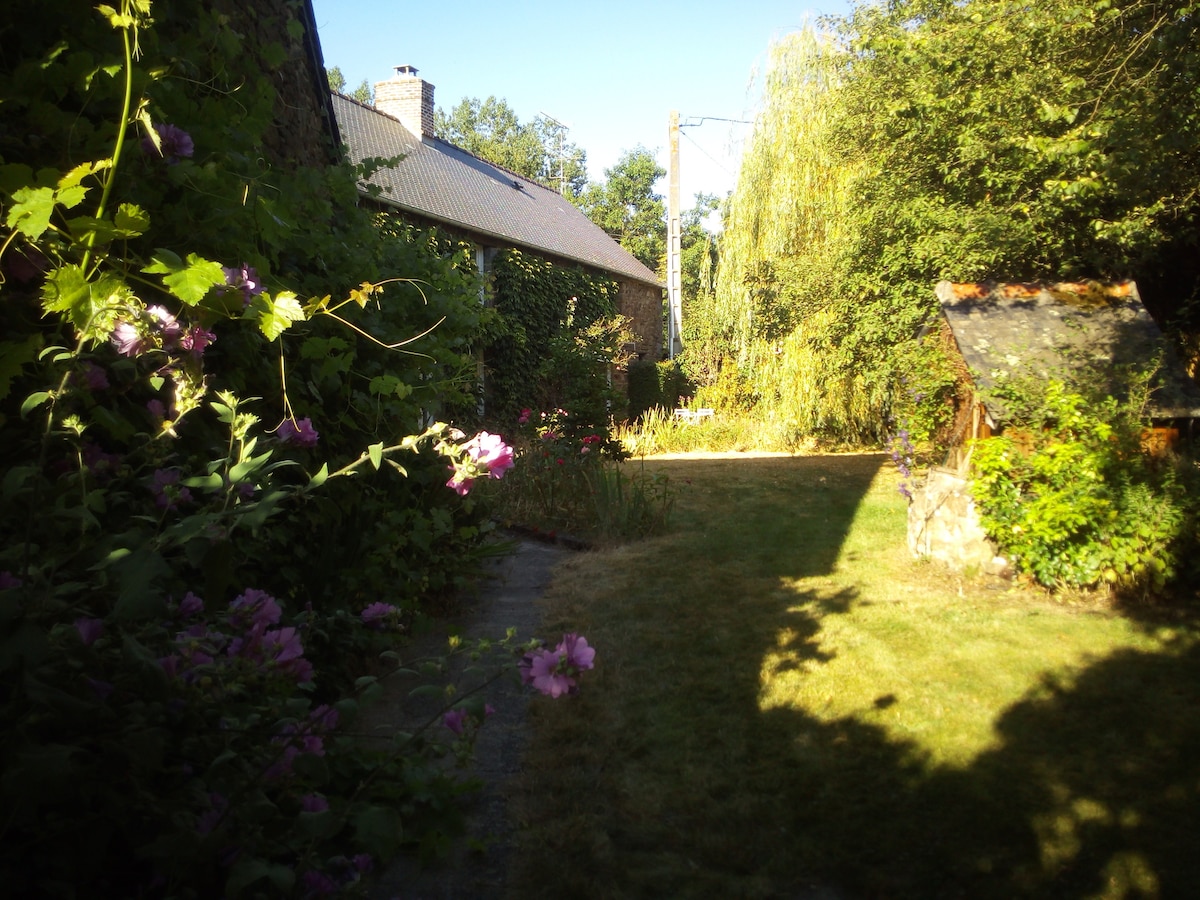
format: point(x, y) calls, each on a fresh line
point(674, 233)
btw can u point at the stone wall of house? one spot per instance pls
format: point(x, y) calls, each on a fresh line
point(303, 133)
point(943, 525)
point(643, 303)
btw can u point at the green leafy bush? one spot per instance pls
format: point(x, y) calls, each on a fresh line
point(1069, 495)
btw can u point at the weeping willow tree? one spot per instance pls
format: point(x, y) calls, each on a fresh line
point(784, 238)
point(780, 286)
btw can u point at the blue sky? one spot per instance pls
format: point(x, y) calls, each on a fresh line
point(611, 71)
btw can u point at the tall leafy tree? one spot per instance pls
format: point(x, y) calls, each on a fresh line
point(960, 139)
point(491, 130)
point(337, 82)
point(626, 206)
point(1019, 140)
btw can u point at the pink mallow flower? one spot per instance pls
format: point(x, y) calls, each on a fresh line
point(89, 629)
point(554, 672)
point(166, 324)
point(314, 803)
point(173, 144)
point(127, 340)
point(299, 432)
point(490, 451)
point(456, 720)
point(94, 377)
point(245, 279)
point(196, 340)
point(460, 483)
point(190, 605)
point(576, 651)
point(377, 614)
point(167, 493)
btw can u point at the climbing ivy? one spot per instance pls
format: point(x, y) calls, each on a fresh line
point(556, 337)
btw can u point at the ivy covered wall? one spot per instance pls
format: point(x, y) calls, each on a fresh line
point(555, 339)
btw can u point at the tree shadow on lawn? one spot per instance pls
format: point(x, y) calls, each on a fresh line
point(680, 783)
point(1090, 790)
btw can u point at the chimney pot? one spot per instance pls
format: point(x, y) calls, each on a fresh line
point(409, 99)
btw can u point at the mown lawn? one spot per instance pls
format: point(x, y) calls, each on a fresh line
point(783, 700)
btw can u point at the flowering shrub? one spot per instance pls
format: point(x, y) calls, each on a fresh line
point(569, 478)
point(184, 615)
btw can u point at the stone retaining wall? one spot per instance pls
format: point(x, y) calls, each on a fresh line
point(943, 525)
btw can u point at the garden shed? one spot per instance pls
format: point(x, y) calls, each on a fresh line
point(1005, 331)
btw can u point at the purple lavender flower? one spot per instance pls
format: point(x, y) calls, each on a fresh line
point(89, 629)
point(173, 144)
point(376, 615)
point(299, 432)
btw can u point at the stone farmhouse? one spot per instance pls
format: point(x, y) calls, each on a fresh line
point(437, 183)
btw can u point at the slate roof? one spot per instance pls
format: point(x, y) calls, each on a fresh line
point(1003, 330)
point(439, 181)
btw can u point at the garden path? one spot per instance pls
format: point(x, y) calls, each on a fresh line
point(476, 867)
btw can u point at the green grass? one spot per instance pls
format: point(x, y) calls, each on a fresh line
point(783, 698)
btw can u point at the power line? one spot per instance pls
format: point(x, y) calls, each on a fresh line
point(702, 119)
point(715, 161)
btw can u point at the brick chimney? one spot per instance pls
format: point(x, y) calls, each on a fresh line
point(409, 99)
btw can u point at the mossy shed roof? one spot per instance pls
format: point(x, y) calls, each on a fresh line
point(445, 184)
point(1005, 331)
